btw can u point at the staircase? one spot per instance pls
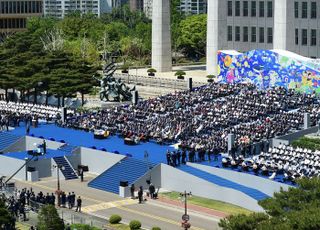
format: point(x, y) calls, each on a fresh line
point(7, 139)
point(254, 193)
point(67, 148)
point(68, 170)
point(128, 169)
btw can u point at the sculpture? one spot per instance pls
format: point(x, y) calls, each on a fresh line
point(112, 88)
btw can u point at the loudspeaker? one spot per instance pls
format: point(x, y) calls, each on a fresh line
point(63, 114)
point(190, 83)
point(124, 183)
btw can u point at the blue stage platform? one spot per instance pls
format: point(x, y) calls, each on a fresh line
point(157, 153)
point(50, 154)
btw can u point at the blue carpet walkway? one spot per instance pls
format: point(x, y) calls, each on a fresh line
point(254, 193)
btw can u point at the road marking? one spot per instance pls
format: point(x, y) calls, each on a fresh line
point(156, 217)
point(119, 207)
point(107, 205)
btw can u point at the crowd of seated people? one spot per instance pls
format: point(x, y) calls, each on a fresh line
point(12, 113)
point(286, 161)
point(21, 108)
point(204, 117)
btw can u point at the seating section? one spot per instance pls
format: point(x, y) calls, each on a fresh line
point(7, 139)
point(68, 171)
point(254, 193)
point(67, 148)
point(128, 169)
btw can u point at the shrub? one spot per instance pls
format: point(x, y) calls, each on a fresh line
point(83, 227)
point(156, 228)
point(151, 70)
point(210, 76)
point(135, 224)
point(115, 219)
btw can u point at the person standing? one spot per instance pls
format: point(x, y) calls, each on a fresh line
point(81, 174)
point(152, 190)
point(140, 194)
point(79, 203)
point(132, 189)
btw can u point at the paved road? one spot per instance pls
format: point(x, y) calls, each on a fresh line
point(103, 204)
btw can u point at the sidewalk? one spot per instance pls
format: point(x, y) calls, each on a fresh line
point(191, 207)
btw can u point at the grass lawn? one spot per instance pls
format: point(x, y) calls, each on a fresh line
point(119, 226)
point(22, 226)
point(208, 203)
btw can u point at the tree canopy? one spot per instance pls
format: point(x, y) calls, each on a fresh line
point(298, 208)
point(48, 219)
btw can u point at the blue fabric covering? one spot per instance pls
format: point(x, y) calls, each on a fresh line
point(85, 139)
point(254, 193)
point(128, 169)
point(50, 154)
point(7, 139)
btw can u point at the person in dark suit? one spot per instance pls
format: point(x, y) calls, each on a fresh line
point(152, 190)
point(132, 189)
point(79, 203)
point(140, 194)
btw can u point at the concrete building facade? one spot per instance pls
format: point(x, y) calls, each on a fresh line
point(14, 14)
point(61, 8)
point(244, 25)
point(193, 6)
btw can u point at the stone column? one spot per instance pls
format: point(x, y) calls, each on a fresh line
point(161, 36)
point(216, 32)
point(306, 120)
point(283, 31)
point(230, 141)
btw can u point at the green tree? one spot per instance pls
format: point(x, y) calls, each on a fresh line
point(48, 219)
point(297, 208)
point(193, 32)
point(6, 219)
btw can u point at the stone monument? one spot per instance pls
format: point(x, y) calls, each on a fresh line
point(161, 36)
point(112, 89)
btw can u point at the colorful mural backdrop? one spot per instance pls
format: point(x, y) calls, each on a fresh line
point(266, 68)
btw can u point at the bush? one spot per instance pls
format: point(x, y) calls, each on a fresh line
point(156, 228)
point(135, 224)
point(115, 219)
point(83, 227)
point(151, 70)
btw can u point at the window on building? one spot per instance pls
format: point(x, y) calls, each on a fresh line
point(313, 38)
point(296, 9)
point(253, 34)
point(261, 35)
point(253, 8)
point(297, 36)
point(237, 8)
point(304, 10)
point(245, 8)
point(270, 35)
point(229, 33)
point(304, 36)
point(245, 34)
point(270, 10)
point(237, 34)
point(229, 8)
point(261, 9)
point(313, 10)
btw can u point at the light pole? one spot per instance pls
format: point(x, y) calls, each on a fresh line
point(185, 217)
point(58, 192)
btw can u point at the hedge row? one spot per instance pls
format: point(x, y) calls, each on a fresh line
point(308, 143)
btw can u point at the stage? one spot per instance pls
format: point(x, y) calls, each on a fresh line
point(156, 152)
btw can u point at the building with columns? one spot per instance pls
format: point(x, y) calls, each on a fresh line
point(14, 14)
point(244, 25)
